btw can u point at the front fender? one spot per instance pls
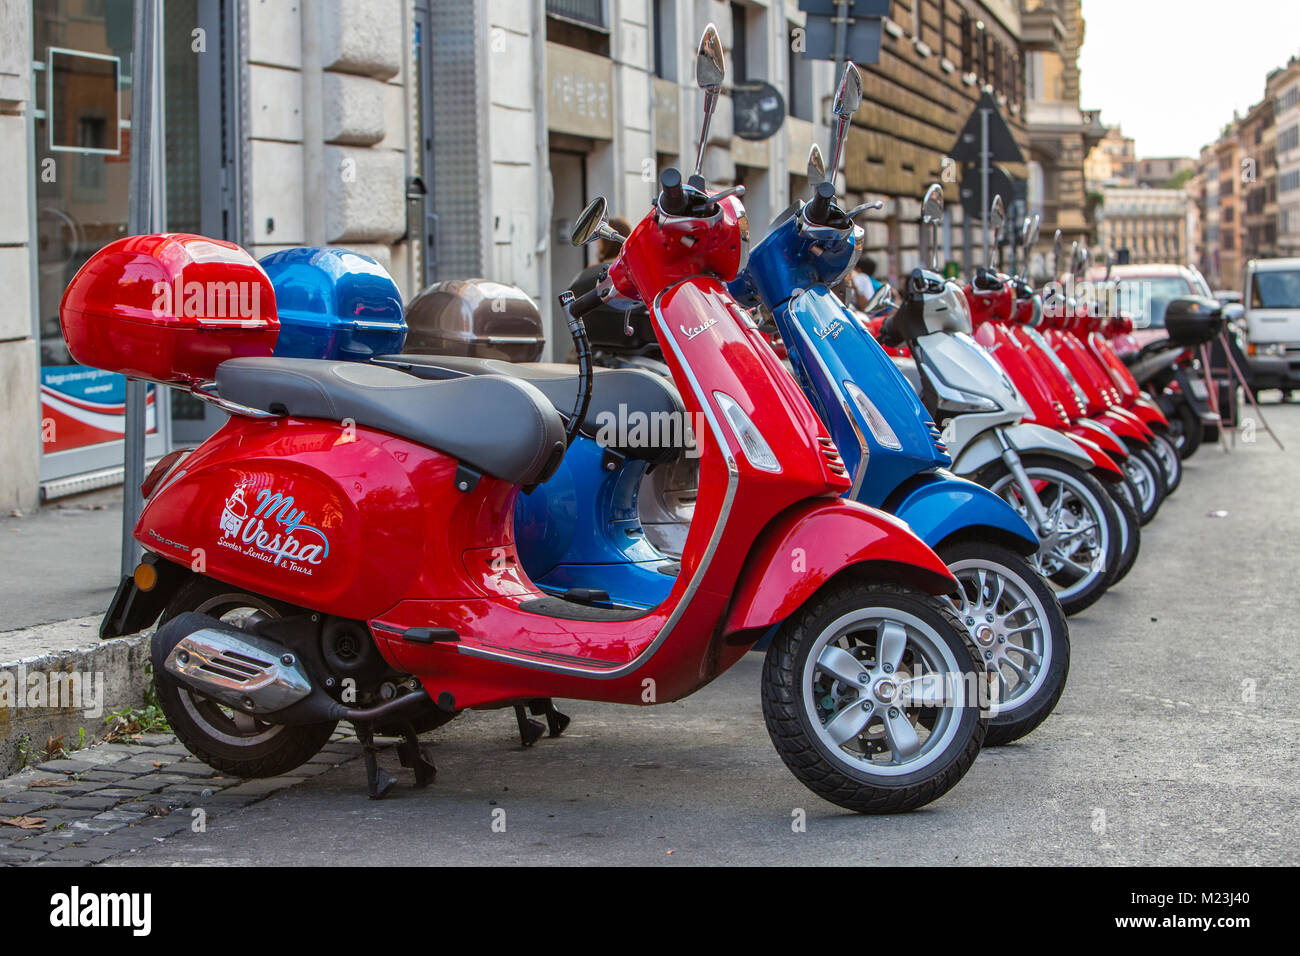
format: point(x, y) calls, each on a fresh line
point(939, 505)
point(1103, 465)
point(1126, 427)
point(809, 543)
point(1025, 438)
point(1150, 413)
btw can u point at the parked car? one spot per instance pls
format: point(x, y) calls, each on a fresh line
point(1146, 289)
point(1272, 320)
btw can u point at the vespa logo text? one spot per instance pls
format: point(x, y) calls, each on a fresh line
point(274, 531)
point(831, 331)
point(696, 330)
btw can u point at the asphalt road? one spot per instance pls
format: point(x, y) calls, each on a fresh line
point(1175, 743)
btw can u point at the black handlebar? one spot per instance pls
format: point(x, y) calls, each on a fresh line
point(818, 210)
point(672, 197)
point(585, 303)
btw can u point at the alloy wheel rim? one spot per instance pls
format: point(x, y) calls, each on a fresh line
point(1076, 538)
point(882, 690)
point(220, 722)
point(1004, 617)
point(1139, 471)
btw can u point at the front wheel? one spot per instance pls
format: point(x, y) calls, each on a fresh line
point(1019, 631)
point(1170, 463)
point(1079, 544)
point(1142, 468)
point(873, 697)
point(1185, 429)
point(1123, 496)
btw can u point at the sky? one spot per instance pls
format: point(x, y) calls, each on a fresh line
point(1171, 72)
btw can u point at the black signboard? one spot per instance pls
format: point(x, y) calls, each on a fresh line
point(1000, 184)
point(862, 39)
point(758, 109)
point(1002, 144)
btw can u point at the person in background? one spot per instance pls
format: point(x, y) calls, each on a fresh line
point(864, 283)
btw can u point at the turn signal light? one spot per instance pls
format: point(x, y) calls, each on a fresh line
point(145, 576)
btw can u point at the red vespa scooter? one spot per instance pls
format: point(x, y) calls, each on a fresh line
point(356, 561)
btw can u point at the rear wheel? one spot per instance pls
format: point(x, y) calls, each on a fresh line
point(1019, 631)
point(1122, 496)
point(226, 739)
point(872, 696)
point(1080, 544)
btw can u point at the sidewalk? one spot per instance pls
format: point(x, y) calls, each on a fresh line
point(61, 562)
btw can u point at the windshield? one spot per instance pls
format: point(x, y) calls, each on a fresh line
point(1146, 299)
point(1275, 290)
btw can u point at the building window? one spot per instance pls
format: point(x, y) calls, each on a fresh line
point(739, 43)
point(1288, 139)
point(589, 13)
point(664, 25)
point(1288, 181)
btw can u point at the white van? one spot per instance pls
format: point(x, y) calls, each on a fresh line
point(1271, 297)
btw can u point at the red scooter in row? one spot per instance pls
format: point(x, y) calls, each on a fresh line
point(342, 549)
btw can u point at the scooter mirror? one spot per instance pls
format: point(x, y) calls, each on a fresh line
point(997, 218)
point(816, 167)
point(881, 299)
point(710, 71)
point(932, 205)
point(932, 215)
point(710, 65)
point(1074, 258)
point(1056, 255)
point(590, 223)
point(847, 100)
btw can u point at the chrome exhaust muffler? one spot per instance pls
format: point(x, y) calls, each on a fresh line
point(234, 667)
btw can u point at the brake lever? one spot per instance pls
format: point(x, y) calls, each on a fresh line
point(865, 207)
point(737, 191)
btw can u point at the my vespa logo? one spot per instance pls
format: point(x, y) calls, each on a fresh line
point(274, 531)
point(696, 330)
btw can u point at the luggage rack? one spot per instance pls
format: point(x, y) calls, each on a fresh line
point(207, 392)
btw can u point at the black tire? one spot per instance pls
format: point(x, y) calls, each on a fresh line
point(1187, 430)
point(1025, 708)
point(1143, 468)
point(1171, 463)
point(1129, 525)
point(852, 779)
point(199, 724)
point(1074, 595)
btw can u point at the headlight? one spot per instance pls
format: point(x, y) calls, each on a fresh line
point(747, 434)
point(875, 421)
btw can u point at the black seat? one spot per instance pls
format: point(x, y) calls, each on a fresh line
point(501, 426)
point(635, 390)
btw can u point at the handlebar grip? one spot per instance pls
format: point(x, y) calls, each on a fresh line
point(672, 198)
point(585, 303)
point(818, 209)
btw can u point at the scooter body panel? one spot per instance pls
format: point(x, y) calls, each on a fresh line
point(938, 506)
point(828, 349)
point(1027, 439)
point(582, 529)
point(814, 541)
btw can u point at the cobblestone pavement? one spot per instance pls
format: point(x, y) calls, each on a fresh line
point(118, 798)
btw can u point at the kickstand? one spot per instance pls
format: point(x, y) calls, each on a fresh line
point(530, 731)
point(414, 756)
point(378, 780)
point(556, 722)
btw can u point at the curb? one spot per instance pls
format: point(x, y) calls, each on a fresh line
point(61, 680)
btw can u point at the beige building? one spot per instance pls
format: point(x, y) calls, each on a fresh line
point(1112, 161)
point(1138, 224)
point(1160, 170)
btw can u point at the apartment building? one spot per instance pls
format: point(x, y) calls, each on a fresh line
point(1283, 90)
point(452, 138)
point(1141, 224)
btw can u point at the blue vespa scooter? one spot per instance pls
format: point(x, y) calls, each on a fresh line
point(893, 450)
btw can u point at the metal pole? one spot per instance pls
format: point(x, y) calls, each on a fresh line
point(841, 42)
point(984, 182)
point(145, 216)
